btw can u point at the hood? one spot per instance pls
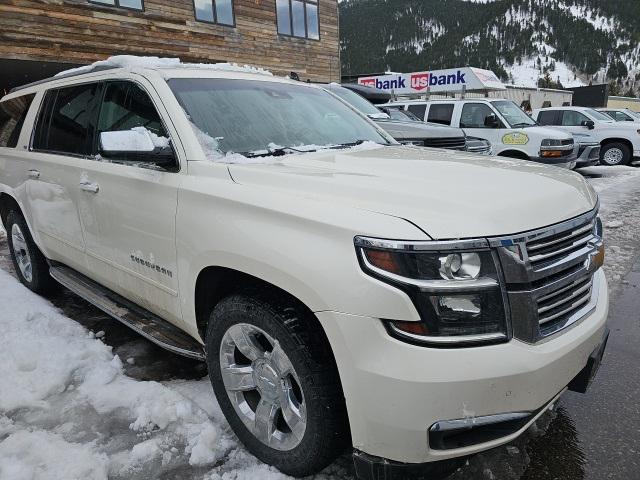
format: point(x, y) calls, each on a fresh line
point(417, 130)
point(447, 194)
point(545, 132)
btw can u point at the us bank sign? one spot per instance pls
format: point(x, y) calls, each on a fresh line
point(450, 80)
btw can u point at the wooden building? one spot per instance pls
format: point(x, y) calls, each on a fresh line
point(39, 38)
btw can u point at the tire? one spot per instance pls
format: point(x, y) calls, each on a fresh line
point(314, 432)
point(615, 153)
point(30, 264)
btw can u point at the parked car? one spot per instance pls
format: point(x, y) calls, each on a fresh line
point(620, 141)
point(345, 291)
point(621, 114)
point(511, 132)
point(408, 131)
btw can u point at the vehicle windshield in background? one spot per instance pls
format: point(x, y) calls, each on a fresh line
point(513, 114)
point(249, 116)
point(357, 102)
point(402, 115)
point(631, 113)
point(600, 116)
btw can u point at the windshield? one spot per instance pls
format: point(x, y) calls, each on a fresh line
point(514, 116)
point(599, 115)
point(403, 115)
point(631, 113)
point(356, 101)
point(245, 116)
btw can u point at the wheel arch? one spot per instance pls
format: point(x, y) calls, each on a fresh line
point(6, 202)
point(625, 141)
point(514, 154)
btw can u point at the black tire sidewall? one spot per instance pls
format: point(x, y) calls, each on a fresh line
point(311, 454)
point(626, 152)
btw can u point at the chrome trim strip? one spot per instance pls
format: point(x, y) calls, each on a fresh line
point(578, 243)
point(587, 284)
point(584, 299)
point(471, 422)
point(448, 341)
point(423, 245)
point(572, 234)
point(563, 148)
point(442, 286)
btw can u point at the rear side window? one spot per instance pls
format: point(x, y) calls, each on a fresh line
point(66, 122)
point(440, 113)
point(548, 118)
point(12, 115)
point(418, 110)
point(126, 106)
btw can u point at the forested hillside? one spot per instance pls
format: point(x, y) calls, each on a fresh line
point(523, 41)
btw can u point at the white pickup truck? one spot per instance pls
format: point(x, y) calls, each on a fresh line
point(620, 141)
point(511, 132)
point(413, 305)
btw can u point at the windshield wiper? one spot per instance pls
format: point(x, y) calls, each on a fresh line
point(347, 145)
point(522, 124)
point(274, 152)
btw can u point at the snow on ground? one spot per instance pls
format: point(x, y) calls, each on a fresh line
point(68, 411)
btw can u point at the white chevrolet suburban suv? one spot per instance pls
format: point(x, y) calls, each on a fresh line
point(413, 305)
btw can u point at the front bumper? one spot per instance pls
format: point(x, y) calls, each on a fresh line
point(588, 155)
point(395, 392)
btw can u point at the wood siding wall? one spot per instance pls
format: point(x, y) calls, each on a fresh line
point(76, 31)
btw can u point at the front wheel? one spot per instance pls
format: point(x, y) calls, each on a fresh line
point(276, 381)
point(615, 154)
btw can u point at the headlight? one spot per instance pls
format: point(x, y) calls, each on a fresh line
point(455, 286)
point(551, 142)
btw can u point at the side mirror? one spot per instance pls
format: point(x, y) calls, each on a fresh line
point(138, 145)
point(491, 121)
point(590, 124)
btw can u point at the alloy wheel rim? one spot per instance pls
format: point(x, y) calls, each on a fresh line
point(263, 386)
point(613, 156)
point(21, 252)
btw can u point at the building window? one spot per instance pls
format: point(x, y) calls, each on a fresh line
point(131, 4)
point(298, 18)
point(215, 11)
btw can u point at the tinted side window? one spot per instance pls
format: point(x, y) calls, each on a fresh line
point(548, 118)
point(573, 119)
point(418, 110)
point(12, 115)
point(126, 106)
point(440, 113)
point(474, 115)
point(66, 120)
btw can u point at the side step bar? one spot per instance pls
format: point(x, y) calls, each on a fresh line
point(150, 326)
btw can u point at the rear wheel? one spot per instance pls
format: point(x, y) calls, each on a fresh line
point(615, 154)
point(276, 381)
point(29, 262)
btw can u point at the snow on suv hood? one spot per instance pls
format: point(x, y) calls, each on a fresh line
point(447, 194)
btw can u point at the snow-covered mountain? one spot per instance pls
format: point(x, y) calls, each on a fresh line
point(526, 42)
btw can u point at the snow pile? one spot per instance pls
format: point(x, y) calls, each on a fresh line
point(123, 141)
point(132, 61)
point(68, 411)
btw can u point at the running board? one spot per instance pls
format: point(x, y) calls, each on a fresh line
point(150, 326)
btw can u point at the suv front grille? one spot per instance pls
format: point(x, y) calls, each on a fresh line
point(455, 143)
point(550, 276)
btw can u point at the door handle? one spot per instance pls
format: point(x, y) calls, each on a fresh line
point(89, 187)
point(35, 174)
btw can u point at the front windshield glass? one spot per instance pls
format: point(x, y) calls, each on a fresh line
point(357, 102)
point(402, 115)
point(599, 115)
point(512, 113)
point(246, 116)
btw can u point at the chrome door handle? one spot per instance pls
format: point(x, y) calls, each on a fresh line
point(35, 174)
point(89, 187)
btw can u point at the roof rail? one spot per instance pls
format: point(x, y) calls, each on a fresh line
point(89, 69)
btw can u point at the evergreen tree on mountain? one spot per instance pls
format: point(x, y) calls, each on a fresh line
point(413, 35)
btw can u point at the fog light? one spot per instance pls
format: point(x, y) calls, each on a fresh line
point(460, 266)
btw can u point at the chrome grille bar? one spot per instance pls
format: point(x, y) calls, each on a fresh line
point(532, 246)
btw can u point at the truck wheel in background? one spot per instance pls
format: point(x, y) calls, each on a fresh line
point(615, 153)
point(276, 381)
point(30, 264)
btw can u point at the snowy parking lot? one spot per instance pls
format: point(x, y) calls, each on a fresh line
point(82, 397)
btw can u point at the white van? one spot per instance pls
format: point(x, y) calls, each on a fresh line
point(511, 131)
